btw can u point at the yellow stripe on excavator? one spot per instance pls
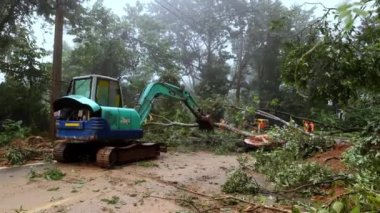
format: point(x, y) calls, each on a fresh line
point(71, 124)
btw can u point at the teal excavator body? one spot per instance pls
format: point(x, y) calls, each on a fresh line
point(93, 110)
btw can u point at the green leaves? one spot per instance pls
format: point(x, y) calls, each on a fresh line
point(239, 182)
point(343, 67)
point(53, 174)
point(17, 156)
point(12, 130)
point(337, 206)
point(286, 167)
point(112, 201)
point(349, 12)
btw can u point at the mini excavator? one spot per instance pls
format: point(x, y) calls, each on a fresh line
point(92, 120)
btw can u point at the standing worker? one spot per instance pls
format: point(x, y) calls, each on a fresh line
point(305, 125)
point(311, 126)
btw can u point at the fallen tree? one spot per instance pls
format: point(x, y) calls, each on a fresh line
point(226, 126)
point(220, 125)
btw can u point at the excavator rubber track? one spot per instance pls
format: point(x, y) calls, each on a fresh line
point(59, 153)
point(109, 156)
point(106, 156)
point(66, 152)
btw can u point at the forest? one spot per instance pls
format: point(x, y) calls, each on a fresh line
point(237, 58)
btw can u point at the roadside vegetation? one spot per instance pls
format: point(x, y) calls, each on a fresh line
point(18, 146)
point(292, 169)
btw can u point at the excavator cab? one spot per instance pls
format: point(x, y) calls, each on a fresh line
point(103, 90)
point(92, 111)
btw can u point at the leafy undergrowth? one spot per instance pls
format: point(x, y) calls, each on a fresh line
point(20, 151)
point(16, 148)
point(287, 166)
point(11, 130)
point(312, 166)
point(18, 155)
point(240, 182)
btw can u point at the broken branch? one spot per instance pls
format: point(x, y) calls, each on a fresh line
point(177, 199)
point(220, 125)
point(314, 184)
point(173, 124)
point(233, 129)
point(226, 198)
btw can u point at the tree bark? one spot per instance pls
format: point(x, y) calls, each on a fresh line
point(239, 69)
point(57, 62)
point(222, 126)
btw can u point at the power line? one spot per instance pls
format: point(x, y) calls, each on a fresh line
point(181, 12)
point(191, 24)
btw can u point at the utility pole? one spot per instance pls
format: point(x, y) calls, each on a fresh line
point(57, 62)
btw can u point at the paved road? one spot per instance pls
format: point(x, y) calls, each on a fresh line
point(131, 188)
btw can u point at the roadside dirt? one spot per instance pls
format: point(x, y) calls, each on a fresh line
point(152, 186)
point(332, 158)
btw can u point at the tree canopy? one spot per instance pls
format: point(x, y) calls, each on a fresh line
point(255, 53)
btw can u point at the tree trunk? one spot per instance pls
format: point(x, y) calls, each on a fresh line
point(57, 62)
point(240, 68)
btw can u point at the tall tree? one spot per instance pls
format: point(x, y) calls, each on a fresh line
point(198, 29)
point(16, 18)
point(26, 82)
point(132, 47)
point(57, 61)
point(268, 31)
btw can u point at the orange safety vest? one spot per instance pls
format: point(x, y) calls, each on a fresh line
point(311, 126)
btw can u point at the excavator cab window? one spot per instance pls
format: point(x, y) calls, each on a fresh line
point(80, 87)
point(102, 92)
point(108, 93)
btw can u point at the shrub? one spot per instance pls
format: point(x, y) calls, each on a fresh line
point(17, 156)
point(12, 129)
point(240, 182)
point(363, 158)
point(284, 166)
point(298, 144)
point(296, 174)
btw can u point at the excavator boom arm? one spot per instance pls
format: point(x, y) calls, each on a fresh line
point(154, 90)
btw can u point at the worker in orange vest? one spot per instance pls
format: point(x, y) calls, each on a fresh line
point(311, 126)
point(306, 126)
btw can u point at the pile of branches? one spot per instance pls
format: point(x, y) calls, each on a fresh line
point(19, 151)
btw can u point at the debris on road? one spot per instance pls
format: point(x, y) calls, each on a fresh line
point(20, 151)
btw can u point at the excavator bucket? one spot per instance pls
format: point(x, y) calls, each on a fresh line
point(205, 123)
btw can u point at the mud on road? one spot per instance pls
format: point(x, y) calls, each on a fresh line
point(140, 187)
